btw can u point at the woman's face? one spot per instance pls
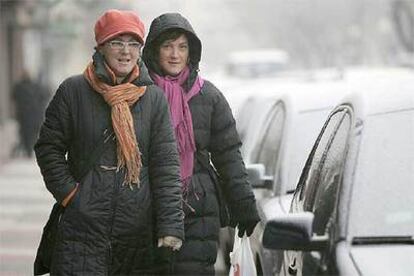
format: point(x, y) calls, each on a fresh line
point(121, 54)
point(173, 56)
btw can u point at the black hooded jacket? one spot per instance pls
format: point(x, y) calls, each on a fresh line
point(109, 228)
point(216, 141)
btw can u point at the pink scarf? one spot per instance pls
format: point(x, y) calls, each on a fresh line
point(182, 122)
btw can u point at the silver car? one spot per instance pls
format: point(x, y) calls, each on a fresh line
point(352, 211)
point(292, 125)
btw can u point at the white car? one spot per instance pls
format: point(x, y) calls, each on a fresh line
point(352, 211)
point(292, 125)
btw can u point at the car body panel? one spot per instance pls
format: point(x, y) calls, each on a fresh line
point(384, 259)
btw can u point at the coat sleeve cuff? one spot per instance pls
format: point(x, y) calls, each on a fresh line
point(64, 191)
point(174, 232)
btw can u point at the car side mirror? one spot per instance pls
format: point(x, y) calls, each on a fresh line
point(257, 176)
point(293, 231)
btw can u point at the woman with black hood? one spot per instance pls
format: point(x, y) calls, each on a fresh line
point(206, 136)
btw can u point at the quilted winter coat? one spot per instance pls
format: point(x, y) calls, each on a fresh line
point(109, 228)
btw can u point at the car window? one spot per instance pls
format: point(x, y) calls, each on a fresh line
point(317, 188)
point(242, 120)
point(330, 177)
point(384, 178)
point(254, 115)
point(311, 172)
point(309, 179)
point(301, 141)
point(268, 151)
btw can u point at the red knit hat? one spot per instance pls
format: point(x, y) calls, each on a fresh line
point(116, 22)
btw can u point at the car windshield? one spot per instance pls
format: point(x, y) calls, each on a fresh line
point(383, 194)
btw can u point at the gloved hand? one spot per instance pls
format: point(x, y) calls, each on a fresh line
point(171, 242)
point(246, 227)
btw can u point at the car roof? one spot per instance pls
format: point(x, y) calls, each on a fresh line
point(259, 55)
point(311, 96)
point(304, 95)
point(384, 91)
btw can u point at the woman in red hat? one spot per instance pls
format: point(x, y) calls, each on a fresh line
point(129, 200)
point(206, 134)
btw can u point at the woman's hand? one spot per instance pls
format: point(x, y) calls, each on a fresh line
point(246, 227)
point(70, 196)
point(171, 242)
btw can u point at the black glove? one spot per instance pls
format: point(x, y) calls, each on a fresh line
point(246, 227)
point(244, 214)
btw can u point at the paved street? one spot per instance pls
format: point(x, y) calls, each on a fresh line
point(24, 207)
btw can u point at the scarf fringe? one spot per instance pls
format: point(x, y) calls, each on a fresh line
point(185, 188)
point(120, 98)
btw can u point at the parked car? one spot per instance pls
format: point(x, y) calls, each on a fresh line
point(251, 105)
point(352, 211)
point(254, 114)
point(250, 124)
point(291, 126)
point(257, 63)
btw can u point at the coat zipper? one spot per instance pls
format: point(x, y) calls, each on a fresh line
point(113, 206)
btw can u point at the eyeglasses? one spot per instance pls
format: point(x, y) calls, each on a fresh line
point(119, 45)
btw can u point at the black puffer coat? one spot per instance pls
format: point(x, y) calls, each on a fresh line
point(108, 228)
point(216, 137)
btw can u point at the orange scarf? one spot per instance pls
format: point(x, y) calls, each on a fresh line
point(120, 97)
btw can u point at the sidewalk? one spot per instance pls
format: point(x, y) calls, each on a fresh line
point(24, 207)
point(8, 139)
